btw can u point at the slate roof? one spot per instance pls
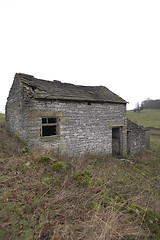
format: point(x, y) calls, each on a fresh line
point(42, 89)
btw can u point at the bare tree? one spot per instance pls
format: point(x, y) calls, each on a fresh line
point(137, 107)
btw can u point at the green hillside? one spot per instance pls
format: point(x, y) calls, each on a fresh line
point(146, 118)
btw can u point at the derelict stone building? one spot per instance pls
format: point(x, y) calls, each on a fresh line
point(69, 119)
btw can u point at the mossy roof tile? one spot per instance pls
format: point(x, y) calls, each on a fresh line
point(44, 89)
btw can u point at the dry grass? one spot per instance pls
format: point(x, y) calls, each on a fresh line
point(39, 203)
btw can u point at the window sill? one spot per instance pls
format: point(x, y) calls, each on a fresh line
point(49, 138)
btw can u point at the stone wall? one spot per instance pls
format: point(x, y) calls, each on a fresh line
point(13, 121)
point(84, 129)
point(17, 109)
point(138, 138)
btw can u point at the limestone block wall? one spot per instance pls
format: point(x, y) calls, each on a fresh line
point(13, 106)
point(16, 110)
point(84, 129)
point(138, 138)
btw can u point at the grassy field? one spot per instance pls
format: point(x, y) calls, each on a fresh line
point(146, 118)
point(92, 198)
point(2, 118)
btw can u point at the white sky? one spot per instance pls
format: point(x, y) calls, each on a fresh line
point(115, 43)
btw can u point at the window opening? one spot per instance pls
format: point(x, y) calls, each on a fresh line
point(52, 120)
point(44, 120)
point(50, 126)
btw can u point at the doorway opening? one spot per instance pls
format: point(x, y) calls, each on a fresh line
point(116, 141)
point(128, 142)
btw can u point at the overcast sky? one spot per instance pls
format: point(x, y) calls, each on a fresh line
point(115, 43)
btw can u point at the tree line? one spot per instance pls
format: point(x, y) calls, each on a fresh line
point(147, 104)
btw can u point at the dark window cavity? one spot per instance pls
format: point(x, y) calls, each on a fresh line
point(50, 126)
point(52, 120)
point(44, 120)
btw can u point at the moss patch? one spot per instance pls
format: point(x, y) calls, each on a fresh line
point(150, 217)
point(61, 166)
point(94, 205)
point(51, 180)
point(83, 177)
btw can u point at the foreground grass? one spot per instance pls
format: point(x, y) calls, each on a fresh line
point(43, 197)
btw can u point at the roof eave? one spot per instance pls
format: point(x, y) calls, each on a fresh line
point(79, 100)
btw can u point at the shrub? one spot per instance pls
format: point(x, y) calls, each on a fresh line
point(116, 200)
point(83, 177)
point(61, 166)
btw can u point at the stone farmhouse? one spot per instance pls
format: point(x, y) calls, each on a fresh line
point(71, 119)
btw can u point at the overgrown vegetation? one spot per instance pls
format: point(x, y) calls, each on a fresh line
point(93, 198)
